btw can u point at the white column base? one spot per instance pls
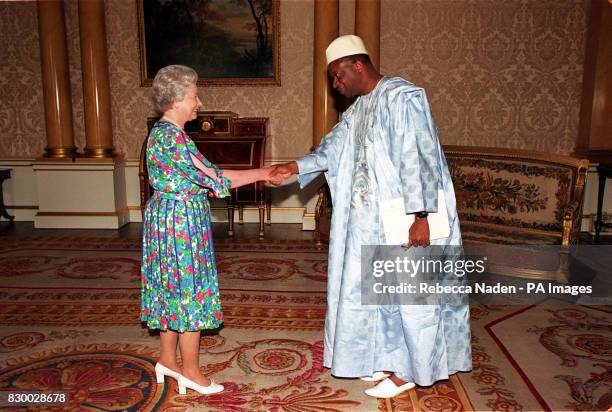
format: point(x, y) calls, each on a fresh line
point(20, 190)
point(308, 221)
point(84, 194)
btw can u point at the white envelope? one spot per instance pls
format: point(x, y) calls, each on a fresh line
point(397, 223)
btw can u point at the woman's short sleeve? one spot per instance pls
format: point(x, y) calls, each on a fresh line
point(183, 148)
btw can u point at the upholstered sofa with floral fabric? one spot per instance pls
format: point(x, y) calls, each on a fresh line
point(519, 199)
point(510, 197)
point(516, 196)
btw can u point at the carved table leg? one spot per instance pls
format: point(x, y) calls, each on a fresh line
point(262, 207)
point(230, 219)
point(240, 214)
point(268, 207)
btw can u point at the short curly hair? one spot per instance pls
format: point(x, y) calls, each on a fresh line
point(169, 85)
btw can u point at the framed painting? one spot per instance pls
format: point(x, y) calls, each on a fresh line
point(228, 42)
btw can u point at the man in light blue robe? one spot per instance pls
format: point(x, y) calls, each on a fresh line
point(385, 146)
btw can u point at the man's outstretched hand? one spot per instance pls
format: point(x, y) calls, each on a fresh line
point(282, 172)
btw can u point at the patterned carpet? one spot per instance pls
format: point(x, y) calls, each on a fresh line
point(69, 321)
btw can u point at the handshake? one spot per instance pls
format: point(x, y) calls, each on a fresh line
point(277, 174)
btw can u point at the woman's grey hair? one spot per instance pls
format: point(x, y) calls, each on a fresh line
point(169, 85)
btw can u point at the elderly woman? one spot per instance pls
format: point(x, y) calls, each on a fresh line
point(180, 291)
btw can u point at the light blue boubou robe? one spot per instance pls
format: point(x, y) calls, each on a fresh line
point(385, 146)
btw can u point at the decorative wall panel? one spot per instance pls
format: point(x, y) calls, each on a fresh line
point(22, 115)
point(497, 73)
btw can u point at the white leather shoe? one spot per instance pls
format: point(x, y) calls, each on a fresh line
point(161, 371)
point(184, 383)
point(377, 376)
point(388, 389)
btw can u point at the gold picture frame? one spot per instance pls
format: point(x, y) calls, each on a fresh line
point(229, 43)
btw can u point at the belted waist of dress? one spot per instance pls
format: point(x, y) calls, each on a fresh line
point(182, 197)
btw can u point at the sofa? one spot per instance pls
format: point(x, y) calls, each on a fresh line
point(509, 197)
point(517, 196)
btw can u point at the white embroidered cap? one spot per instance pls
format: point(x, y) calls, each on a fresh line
point(345, 46)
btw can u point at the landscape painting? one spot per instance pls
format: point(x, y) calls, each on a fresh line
point(228, 42)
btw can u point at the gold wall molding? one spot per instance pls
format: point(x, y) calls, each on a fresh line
point(77, 214)
point(21, 207)
point(115, 213)
point(59, 152)
point(99, 152)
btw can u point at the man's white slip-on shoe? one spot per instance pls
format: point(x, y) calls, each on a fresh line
point(388, 389)
point(377, 376)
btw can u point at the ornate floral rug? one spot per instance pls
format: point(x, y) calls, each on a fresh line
point(550, 357)
point(69, 321)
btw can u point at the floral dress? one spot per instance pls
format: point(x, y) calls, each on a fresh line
point(180, 290)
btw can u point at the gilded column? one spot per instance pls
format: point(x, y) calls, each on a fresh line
point(96, 86)
point(325, 114)
point(55, 79)
point(367, 26)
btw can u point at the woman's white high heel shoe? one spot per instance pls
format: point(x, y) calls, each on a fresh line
point(161, 371)
point(184, 383)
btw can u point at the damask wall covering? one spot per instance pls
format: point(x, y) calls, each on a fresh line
point(22, 125)
point(498, 73)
